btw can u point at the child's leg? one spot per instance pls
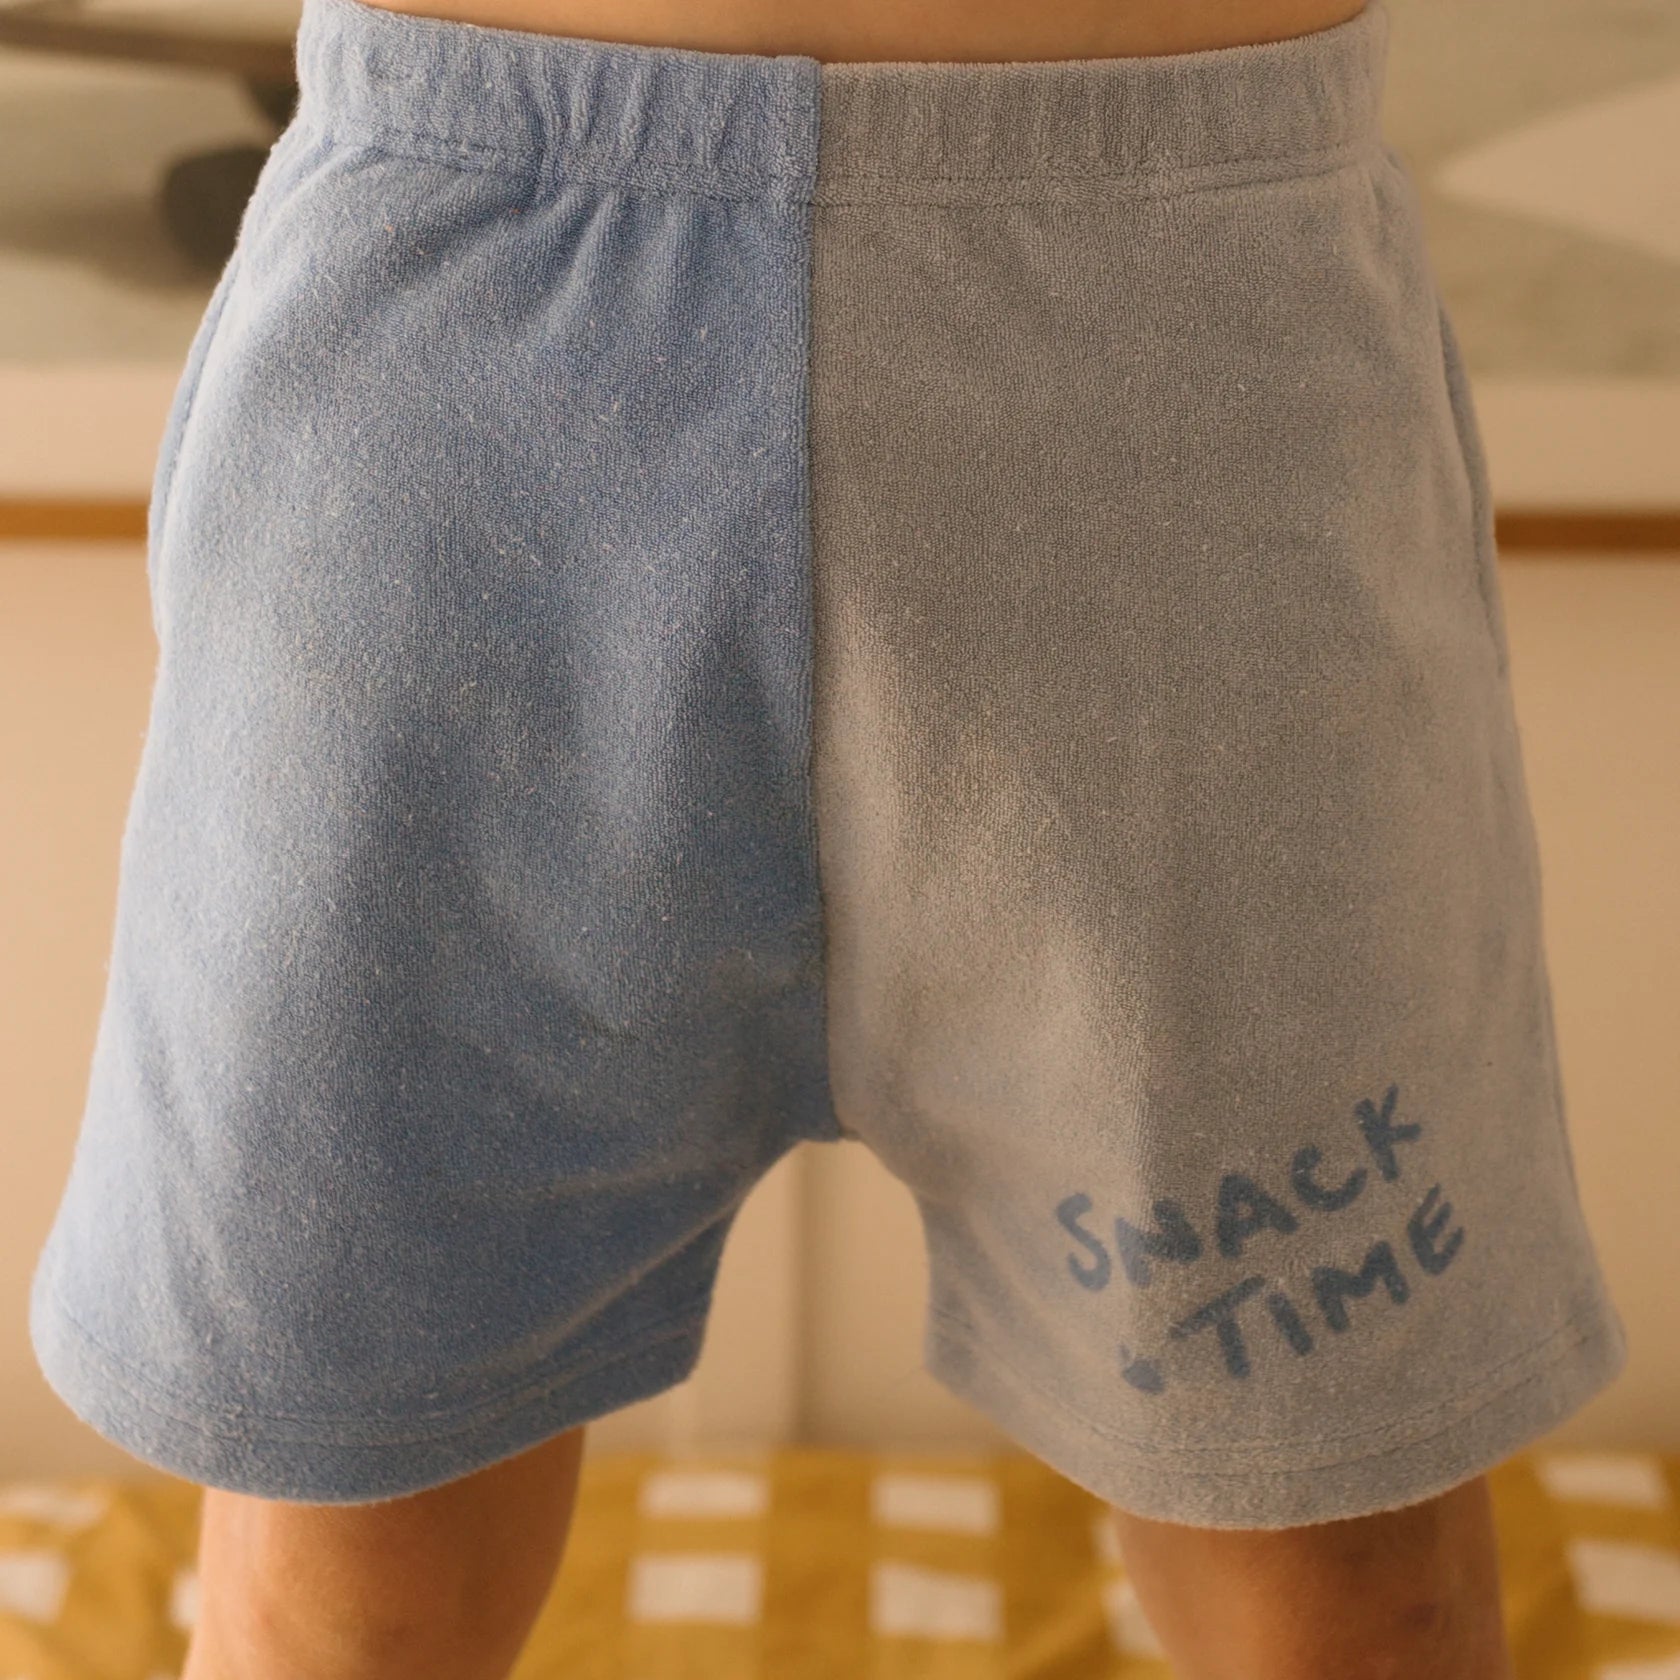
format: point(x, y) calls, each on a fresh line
point(440, 1585)
point(1412, 1592)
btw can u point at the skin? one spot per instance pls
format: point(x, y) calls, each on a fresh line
point(447, 1584)
point(840, 31)
point(1412, 1594)
point(440, 1585)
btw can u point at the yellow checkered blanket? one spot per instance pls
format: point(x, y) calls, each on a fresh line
point(823, 1564)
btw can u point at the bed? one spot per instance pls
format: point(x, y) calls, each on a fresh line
point(808, 1563)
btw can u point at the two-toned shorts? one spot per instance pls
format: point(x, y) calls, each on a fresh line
point(707, 602)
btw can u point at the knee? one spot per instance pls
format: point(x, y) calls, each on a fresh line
point(1413, 1591)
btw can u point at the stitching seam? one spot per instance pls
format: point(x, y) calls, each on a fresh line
point(972, 1343)
point(686, 1322)
point(466, 156)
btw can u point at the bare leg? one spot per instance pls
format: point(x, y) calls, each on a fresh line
point(1412, 1593)
point(441, 1585)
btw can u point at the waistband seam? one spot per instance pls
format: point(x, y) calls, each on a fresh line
point(529, 170)
point(524, 168)
point(411, 143)
point(1240, 169)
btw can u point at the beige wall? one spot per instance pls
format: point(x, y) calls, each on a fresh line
point(817, 1327)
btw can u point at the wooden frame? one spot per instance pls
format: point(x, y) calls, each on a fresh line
point(1600, 531)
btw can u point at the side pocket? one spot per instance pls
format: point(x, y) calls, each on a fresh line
point(1481, 491)
point(175, 426)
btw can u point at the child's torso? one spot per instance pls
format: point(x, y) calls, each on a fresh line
point(951, 30)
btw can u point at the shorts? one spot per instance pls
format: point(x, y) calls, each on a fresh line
point(708, 602)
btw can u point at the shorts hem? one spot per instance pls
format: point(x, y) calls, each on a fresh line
point(1253, 1488)
point(243, 1452)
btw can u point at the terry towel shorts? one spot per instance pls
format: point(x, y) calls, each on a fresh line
point(710, 601)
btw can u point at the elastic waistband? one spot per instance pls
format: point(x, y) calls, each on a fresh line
point(745, 125)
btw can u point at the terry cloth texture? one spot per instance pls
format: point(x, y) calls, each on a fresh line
point(708, 602)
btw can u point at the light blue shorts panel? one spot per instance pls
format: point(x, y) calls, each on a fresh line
point(708, 602)
point(468, 955)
